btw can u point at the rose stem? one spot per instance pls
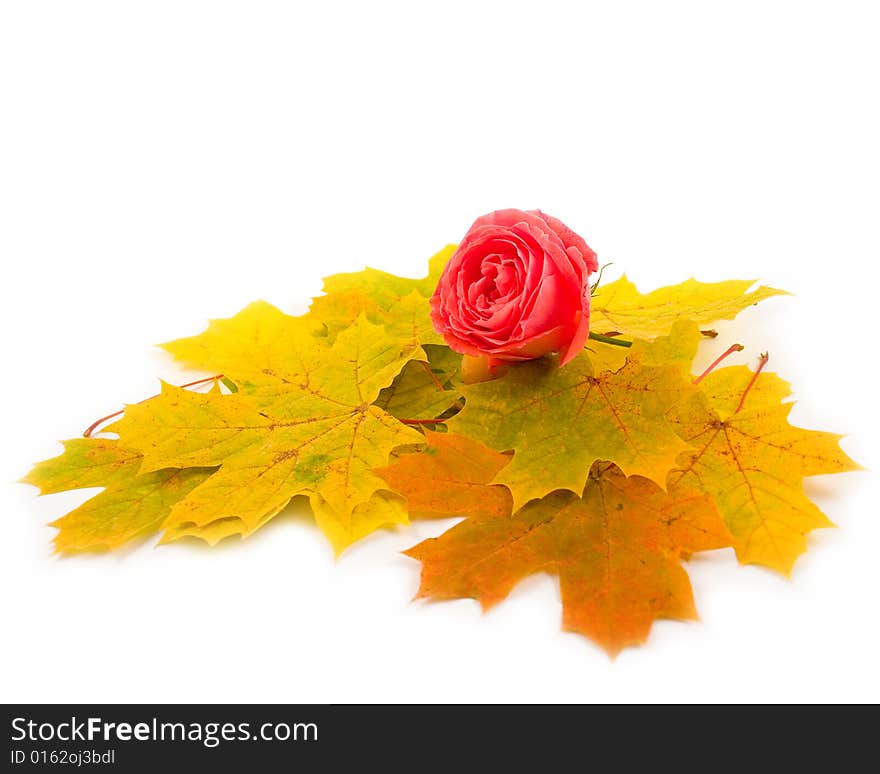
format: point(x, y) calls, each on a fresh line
point(610, 340)
point(763, 361)
point(430, 373)
point(730, 350)
point(87, 433)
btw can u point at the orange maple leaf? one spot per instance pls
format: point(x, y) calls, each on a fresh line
point(451, 477)
point(617, 549)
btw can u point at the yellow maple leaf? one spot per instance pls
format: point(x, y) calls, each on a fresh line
point(211, 533)
point(619, 307)
point(130, 506)
point(386, 289)
point(675, 349)
point(398, 303)
point(311, 431)
point(261, 347)
point(383, 509)
point(255, 348)
point(753, 462)
point(408, 317)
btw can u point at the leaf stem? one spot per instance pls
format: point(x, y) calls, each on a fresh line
point(87, 433)
point(427, 367)
point(422, 421)
point(730, 350)
point(610, 340)
point(761, 363)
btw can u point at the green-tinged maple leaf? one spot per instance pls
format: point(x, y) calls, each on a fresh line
point(311, 431)
point(559, 421)
point(398, 303)
point(753, 462)
point(619, 306)
point(617, 550)
point(446, 364)
point(417, 392)
point(130, 506)
point(452, 476)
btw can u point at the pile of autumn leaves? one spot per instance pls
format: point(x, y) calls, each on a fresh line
point(608, 472)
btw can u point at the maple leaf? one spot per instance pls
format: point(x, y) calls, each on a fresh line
point(678, 349)
point(452, 476)
point(617, 550)
point(311, 430)
point(130, 506)
point(383, 509)
point(446, 363)
point(619, 307)
point(399, 303)
point(261, 347)
point(255, 348)
point(211, 533)
point(418, 391)
point(559, 421)
point(753, 462)
point(386, 289)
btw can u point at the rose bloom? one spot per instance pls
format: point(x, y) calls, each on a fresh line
point(516, 288)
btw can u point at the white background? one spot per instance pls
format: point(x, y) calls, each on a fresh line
point(166, 162)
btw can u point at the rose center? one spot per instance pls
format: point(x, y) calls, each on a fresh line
point(498, 280)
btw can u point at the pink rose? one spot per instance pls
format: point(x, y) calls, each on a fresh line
point(516, 288)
